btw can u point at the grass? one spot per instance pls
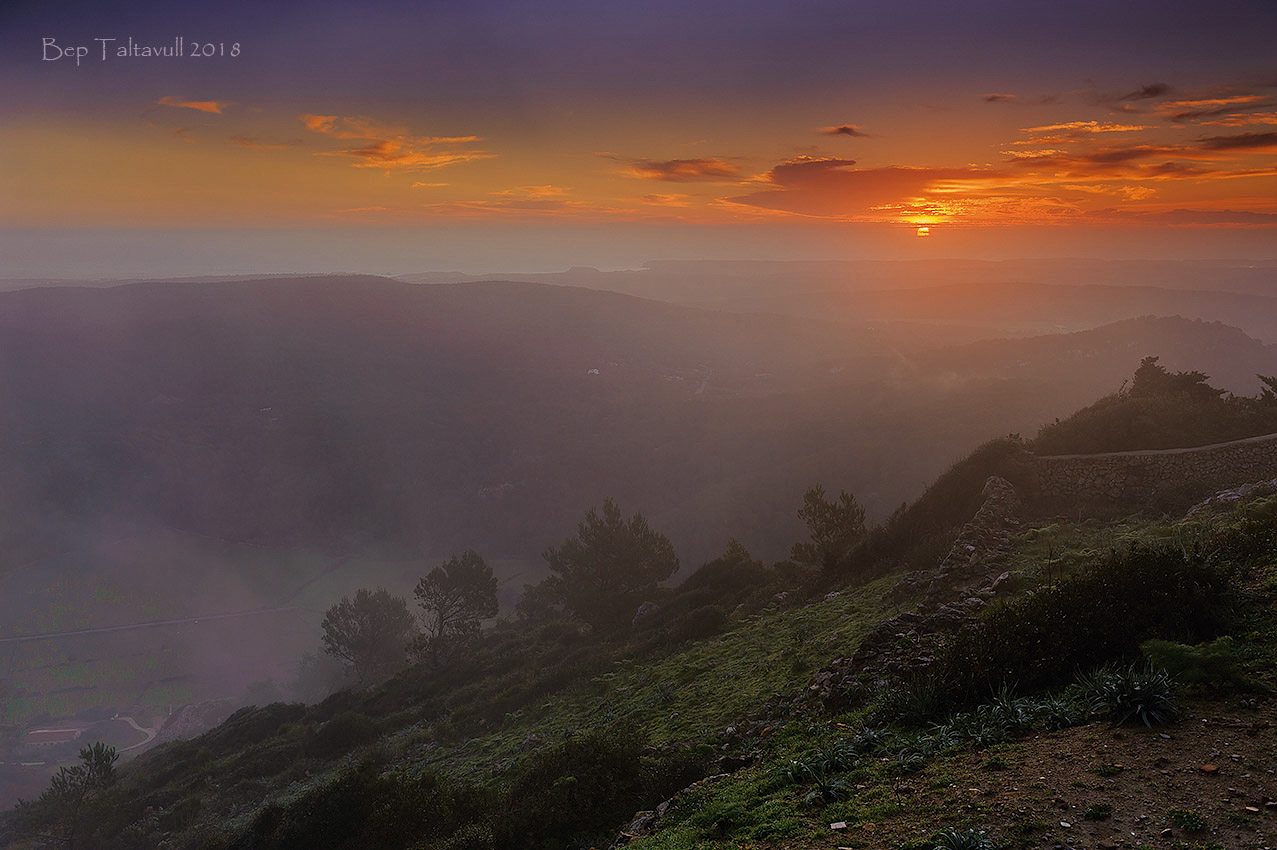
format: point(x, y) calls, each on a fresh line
point(686, 694)
point(689, 694)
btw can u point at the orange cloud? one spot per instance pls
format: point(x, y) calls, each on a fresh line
point(1242, 119)
point(1180, 111)
point(685, 170)
point(532, 192)
point(392, 148)
point(1084, 127)
point(214, 107)
point(666, 200)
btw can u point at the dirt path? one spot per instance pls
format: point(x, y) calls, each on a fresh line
point(149, 733)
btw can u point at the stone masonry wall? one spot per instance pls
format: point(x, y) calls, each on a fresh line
point(1138, 475)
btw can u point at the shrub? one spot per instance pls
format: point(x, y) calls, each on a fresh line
point(1187, 820)
point(252, 724)
point(1139, 693)
point(575, 791)
point(1100, 614)
point(919, 698)
point(970, 839)
point(699, 624)
point(342, 734)
point(1213, 663)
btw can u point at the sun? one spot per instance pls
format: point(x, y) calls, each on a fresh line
point(924, 230)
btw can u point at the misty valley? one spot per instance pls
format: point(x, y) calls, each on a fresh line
point(778, 554)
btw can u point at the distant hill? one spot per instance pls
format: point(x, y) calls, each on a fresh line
point(347, 410)
point(171, 451)
point(357, 408)
point(733, 284)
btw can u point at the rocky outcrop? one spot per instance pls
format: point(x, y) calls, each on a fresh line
point(1225, 501)
point(952, 595)
point(194, 719)
point(645, 823)
point(645, 613)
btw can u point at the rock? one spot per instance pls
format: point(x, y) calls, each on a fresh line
point(1209, 769)
point(644, 823)
point(645, 613)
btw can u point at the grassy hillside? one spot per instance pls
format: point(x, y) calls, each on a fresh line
point(972, 711)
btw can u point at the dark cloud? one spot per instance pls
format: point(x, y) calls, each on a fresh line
point(832, 188)
point(845, 130)
point(1241, 141)
point(1181, 111)
point(710, 169)
point(1041, 100)
point(1107, 158)
point(1147, 92)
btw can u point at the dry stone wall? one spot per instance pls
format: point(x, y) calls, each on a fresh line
point(1139, 475)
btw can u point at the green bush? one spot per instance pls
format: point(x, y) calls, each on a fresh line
point(698, 624)
point(251, 725)
point(1133, 693)
point(1187, 820)
point(1098, 811)
point(575, 791)
point(970, 839)
point(1160, 410)
point(1215, 663)
point(342, 734)
point(362, 808)
point(1100, 614)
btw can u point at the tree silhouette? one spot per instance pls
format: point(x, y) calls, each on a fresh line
point(604, 570)
point(61, 807)
point(454, 597)
point(371, 632)
point(835, 527)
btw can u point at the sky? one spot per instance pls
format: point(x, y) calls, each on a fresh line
point(396, 137)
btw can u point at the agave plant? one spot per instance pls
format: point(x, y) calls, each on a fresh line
point(869, 740)
point(944, 737)
point(970, 839)
point(1059, 713)
point(828, 787)
point(1136, 692)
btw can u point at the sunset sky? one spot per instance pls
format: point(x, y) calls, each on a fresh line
point(504, 135)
